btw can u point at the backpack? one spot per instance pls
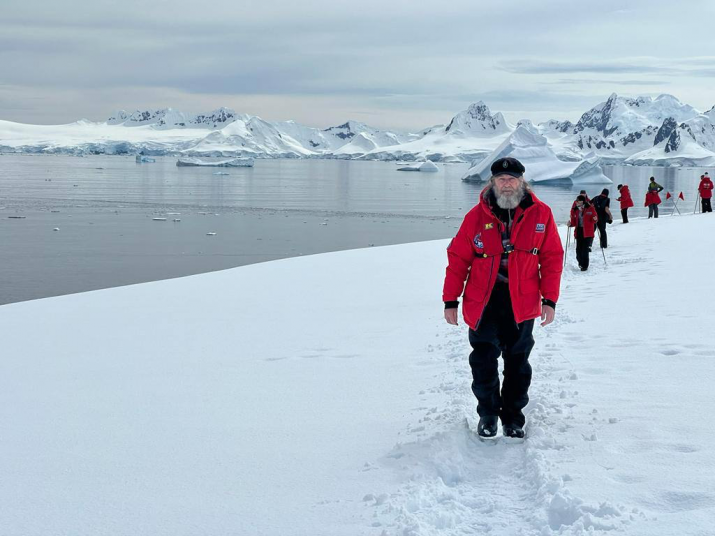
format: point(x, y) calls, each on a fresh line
point(600, 203)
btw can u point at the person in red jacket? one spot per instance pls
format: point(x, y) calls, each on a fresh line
point(626, 201)
point(583, 220)
point(510, 255)
point(705, 189)
point(652, 199)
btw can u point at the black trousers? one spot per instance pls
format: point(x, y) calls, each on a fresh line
point(498, 333)
point(582, 249)
point(652, 211)
point(706, 205)
point(602, 232)
point(624, 215)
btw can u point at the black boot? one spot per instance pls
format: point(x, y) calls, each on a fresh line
point(513, 430)
point(487, 427)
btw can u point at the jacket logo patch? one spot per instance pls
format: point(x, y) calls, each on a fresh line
point(540, 227)
point(488, 226)
point(478, 241)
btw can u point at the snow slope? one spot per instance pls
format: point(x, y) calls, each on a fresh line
point(291, 397)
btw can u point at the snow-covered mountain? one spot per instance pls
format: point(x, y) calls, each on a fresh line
point(620, 129)
point(167, 118)
point(471, 134)
point(622, 126)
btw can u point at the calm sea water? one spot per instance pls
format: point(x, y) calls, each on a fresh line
point(104, 209)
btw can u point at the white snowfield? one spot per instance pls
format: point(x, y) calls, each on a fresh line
point(325, 395)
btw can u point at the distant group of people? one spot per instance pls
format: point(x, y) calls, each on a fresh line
point(587, 215)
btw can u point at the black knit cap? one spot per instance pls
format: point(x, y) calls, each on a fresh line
point(508, 166)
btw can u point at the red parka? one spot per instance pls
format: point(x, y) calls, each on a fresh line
point(706, 188)
point(652, 198)
point(535, 265)
point(589, 220)
point(625, 199)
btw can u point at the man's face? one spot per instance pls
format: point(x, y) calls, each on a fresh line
point(506, 184)
point(579, 203)
point(508, 190)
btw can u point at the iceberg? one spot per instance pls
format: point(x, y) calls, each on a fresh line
point(141, 159)
point(232, 162)
point(542, 164)
point(429, 167)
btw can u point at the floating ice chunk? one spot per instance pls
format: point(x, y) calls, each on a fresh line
point(159, 219)
point(210, 234)
point(233, 162)
point(429, 167)
point(141, 159)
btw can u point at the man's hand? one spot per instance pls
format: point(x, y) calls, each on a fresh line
point(450, 315)
point(547, 315)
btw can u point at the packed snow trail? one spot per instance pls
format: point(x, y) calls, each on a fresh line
point(586, 423)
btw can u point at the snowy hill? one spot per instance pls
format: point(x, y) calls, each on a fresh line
point(471, 134)
point(168, 118)
point(358, 419)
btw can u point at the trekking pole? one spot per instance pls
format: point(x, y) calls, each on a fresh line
point(568, 236)
point(602, 250)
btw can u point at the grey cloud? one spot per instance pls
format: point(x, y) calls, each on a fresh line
point(589, 81)
point(392, 56)
point(537, 66)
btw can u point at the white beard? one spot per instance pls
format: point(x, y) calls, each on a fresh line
point(509, 202)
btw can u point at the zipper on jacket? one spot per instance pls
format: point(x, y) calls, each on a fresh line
point(491, 269)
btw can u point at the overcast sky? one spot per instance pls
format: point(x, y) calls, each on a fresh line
point(396, 64)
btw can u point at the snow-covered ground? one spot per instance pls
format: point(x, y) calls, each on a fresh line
point(325, 395)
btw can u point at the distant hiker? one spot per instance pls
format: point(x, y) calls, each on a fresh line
point(705, 189)
point(585, 195)
point(509, 253)
point(626, 201)
point(652, 199)
point(573, 206)
point(602, 204)
point(583, 220)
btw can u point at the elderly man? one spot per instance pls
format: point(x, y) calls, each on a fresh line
point(510, 255)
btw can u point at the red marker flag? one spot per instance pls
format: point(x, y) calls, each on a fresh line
point(680, 196)
point(667, 195)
